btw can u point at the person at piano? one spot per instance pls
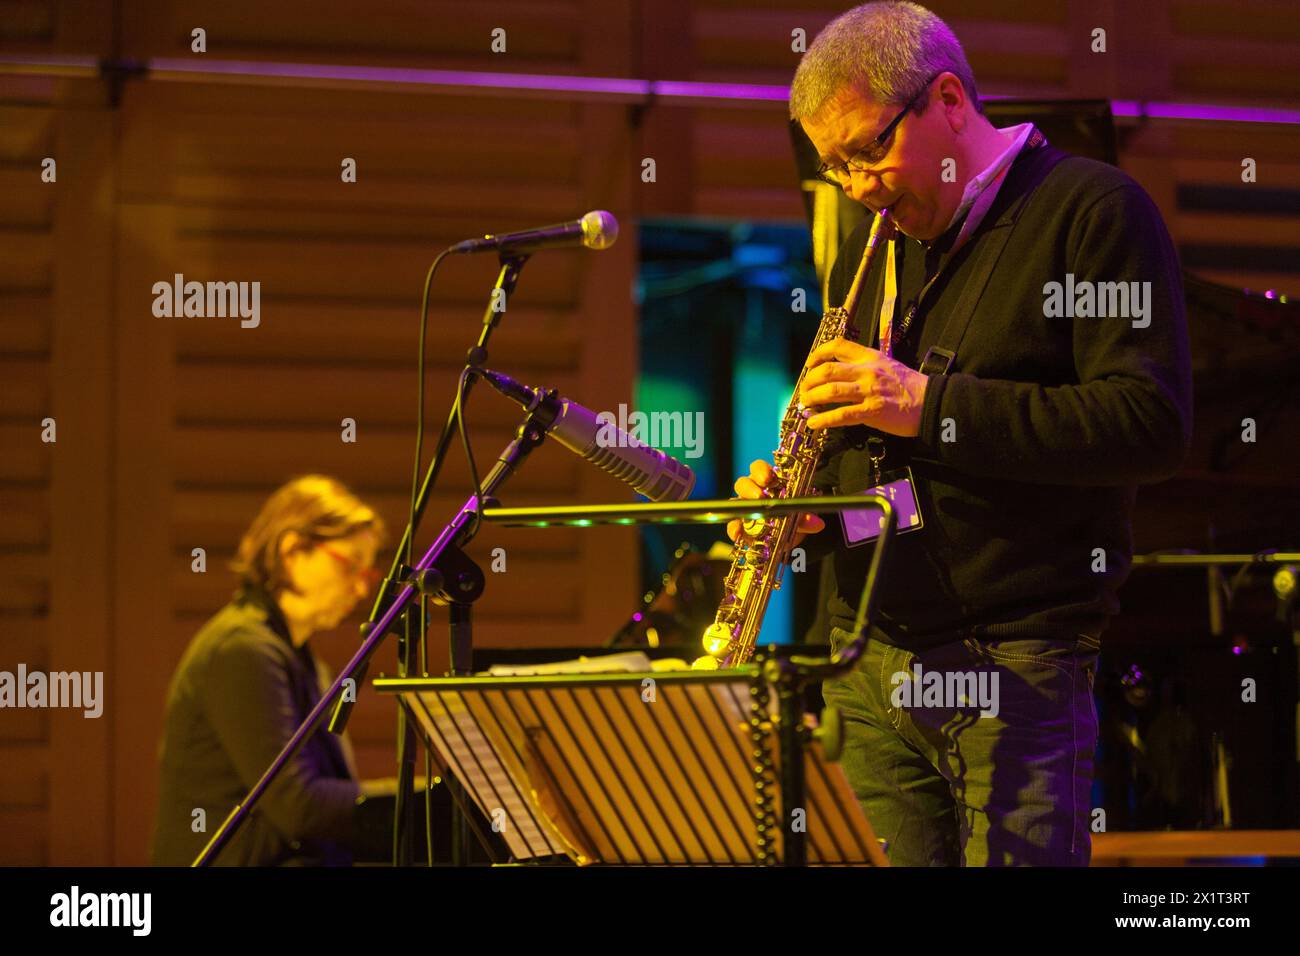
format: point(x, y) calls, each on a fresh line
point(249, 678)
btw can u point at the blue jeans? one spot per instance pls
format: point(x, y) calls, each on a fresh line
point(971, 770)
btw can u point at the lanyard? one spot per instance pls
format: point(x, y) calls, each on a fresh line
point(888, 337)
point(979, 208)
point(875, 444)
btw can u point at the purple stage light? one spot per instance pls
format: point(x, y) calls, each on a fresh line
point(1204, 111)
point(604, 87)
point(537, 82)
point(687, 89)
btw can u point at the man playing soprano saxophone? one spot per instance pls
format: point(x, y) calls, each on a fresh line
point(1023, 454)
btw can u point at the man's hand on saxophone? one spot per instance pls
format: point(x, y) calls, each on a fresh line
point(869, 387)
point(751, 486)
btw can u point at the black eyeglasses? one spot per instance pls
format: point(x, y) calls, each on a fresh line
point(876, 150)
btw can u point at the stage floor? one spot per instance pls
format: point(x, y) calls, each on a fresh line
point(1197, 848)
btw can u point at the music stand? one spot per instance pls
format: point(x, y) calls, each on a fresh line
point(646, 769)
point(544, 766)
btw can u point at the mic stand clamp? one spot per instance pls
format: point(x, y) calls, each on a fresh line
point(453, 578)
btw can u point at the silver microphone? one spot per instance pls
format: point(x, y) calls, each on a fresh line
point(595, 230)
point(649, 471)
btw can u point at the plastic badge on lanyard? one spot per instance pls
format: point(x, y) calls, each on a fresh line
point(899, 489)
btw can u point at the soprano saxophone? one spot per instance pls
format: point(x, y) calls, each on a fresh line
point(762, 553)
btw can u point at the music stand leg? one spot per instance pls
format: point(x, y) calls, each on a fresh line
point(793, 794)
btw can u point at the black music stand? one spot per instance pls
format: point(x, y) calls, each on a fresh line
point(557, 764)
point(648, 768)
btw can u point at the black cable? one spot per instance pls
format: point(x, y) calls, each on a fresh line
point(405, 548)
point(434, 467)
point(419, 412)
point(469, 455)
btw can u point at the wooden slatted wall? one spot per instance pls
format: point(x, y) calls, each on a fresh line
point(56, 508)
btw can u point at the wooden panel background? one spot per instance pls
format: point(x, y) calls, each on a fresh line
point(172, 431)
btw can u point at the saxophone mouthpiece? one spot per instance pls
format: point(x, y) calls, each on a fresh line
point(883, 227)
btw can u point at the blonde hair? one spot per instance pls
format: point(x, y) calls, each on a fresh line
point(885, 52)
point(317, 507)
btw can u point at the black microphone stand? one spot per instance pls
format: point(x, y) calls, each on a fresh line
point(511, 264)
point(396, 593)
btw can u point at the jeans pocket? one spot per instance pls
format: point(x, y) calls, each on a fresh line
point(1047, 651)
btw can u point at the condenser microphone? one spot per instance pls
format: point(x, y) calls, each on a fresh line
point(649, 471)
point(595, 230)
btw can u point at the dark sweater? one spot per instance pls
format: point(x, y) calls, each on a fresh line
point(1056, 420)
point(238, 695)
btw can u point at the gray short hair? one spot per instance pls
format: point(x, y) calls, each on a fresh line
point(883, 51)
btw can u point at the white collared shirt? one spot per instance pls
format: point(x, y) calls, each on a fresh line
point(991, 176)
